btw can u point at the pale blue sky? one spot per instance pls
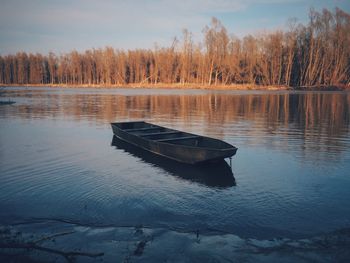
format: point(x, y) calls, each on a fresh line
point(61, 25)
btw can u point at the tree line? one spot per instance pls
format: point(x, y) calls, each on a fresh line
point(316, 54)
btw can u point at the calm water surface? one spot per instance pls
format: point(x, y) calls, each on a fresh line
point(58, 160)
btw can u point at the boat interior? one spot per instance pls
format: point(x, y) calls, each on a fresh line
point(161, 134)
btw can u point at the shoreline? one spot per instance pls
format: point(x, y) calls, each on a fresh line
point(187, 86)
point(49, 240)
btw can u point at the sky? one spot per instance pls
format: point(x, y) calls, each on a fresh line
point(61, 26)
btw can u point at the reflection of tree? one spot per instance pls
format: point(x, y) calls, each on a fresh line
point(318, 117)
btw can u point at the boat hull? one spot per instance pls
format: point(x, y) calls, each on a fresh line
point(177, 152)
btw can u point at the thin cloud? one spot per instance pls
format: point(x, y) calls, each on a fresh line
point(84, 24)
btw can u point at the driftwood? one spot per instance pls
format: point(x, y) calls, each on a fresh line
point(9, 240)
point(52, 236)
point(68, 255)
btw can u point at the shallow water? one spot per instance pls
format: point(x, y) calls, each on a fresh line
point(291, 172)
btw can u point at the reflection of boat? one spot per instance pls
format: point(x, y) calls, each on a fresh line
point(9, 102)
point(177, 145)
point(218, 174)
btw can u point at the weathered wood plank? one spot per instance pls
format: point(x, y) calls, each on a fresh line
point(178, 138)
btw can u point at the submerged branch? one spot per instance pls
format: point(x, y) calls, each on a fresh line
point(68, 255)
point(53, 236)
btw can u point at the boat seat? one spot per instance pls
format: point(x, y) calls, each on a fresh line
point(159, 133)
point(142, 129)
point(178, 138)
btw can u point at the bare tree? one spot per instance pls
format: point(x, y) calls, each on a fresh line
point(316, 54)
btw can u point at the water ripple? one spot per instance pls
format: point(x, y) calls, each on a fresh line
point(291, 168)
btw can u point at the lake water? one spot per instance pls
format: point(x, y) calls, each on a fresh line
point(291, 172)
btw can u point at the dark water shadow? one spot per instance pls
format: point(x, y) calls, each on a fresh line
point(8, 102)
point(218, 174)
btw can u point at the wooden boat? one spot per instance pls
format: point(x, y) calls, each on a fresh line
point(177, 145)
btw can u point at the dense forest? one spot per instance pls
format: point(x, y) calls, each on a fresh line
point(316, 54)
